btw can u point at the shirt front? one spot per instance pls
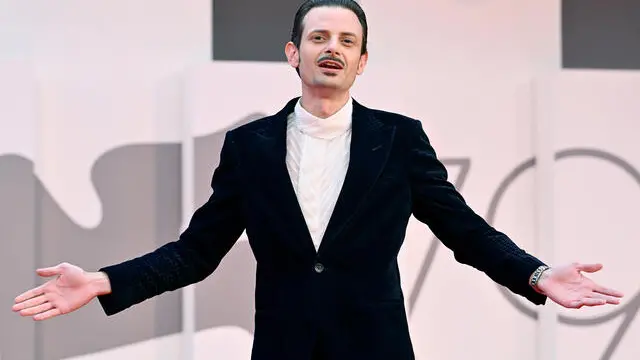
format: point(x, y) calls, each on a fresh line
point(317, 160)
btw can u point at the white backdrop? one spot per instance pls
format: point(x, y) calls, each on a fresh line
point(479, 75)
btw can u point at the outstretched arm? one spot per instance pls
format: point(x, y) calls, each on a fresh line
point(473, 241)
point(212, 231)
point(438, 204)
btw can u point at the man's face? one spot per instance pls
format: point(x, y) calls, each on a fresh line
point(329, 54)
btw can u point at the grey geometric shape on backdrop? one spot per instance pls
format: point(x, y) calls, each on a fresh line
point(630, 308)
point(139, 191)
point(18, 255)
point(600, 34)
point(227, 297)
point(139, 187)
point(252, 30)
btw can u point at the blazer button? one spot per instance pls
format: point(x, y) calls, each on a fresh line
point(318, 267)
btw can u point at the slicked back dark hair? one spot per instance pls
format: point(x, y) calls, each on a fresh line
point(303, 10)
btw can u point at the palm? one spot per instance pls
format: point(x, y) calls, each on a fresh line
point(568, 287)
point(69, 291)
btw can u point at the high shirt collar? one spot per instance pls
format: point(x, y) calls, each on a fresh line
point(328, 128)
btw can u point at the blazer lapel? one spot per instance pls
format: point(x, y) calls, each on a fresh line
point(370, 145)
point(271, 155)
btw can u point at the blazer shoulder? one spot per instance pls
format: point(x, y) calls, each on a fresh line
point(253, 125)
point(402, 122)
point(265, 123)
point(262, 127)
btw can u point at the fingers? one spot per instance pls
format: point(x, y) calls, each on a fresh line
point(607, 291)
point(40, 299)
point(577, 304)
point(30, 294)
point(37, 309)
point(606, 298)
point(50, 271)
point(47, 314)
point(592, 302)
point(594, 299)
point(589, 267)
point(46, 272)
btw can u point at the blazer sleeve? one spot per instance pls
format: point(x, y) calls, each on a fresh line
point(212, 231)
point(437, 203)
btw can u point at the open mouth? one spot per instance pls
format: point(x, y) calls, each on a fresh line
point(330, 65)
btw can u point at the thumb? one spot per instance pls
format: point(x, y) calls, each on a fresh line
point(589, 267)
point(50, 271)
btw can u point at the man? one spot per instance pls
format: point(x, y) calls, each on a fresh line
point(325, 189)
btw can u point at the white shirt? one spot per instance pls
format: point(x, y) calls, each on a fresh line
point(317, 159)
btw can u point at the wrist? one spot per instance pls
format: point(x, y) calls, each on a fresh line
point(538, 277)
point(99, 282)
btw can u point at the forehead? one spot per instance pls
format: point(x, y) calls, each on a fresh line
point(333, 19)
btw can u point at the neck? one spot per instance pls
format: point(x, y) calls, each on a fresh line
point(323, 103)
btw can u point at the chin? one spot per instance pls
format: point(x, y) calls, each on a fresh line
point(329, 82)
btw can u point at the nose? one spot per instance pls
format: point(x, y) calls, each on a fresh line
point(333, 47)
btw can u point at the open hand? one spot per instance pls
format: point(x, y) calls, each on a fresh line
point(568, 287)
point(71, 289)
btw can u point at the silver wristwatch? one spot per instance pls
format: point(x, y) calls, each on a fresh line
point(535, 277)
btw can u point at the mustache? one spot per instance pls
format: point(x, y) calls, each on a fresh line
point(331, 58)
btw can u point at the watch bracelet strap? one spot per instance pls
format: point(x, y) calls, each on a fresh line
point(537, 274)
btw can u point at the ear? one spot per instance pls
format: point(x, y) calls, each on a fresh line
point(293, 56)
point(363, 62)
